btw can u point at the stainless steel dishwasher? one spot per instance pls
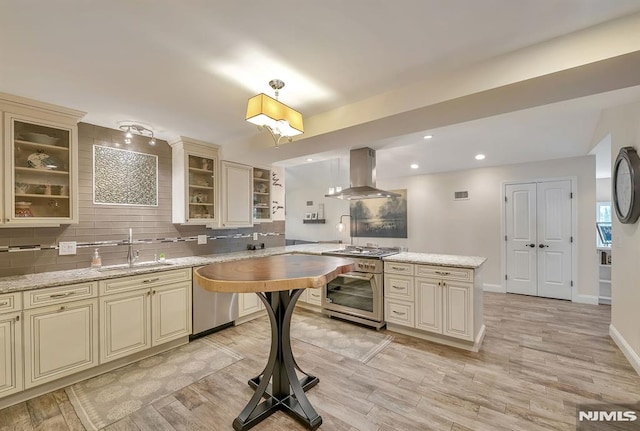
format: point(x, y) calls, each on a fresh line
point(212, 310)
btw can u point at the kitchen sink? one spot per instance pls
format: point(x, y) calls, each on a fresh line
point(124, 266)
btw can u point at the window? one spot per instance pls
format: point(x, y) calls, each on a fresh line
point(603, 214)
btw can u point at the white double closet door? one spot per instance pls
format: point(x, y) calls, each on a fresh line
point(539, 238)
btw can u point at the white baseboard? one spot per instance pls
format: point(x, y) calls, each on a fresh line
point(498, 288)
point(626, 349)
point(586, 299)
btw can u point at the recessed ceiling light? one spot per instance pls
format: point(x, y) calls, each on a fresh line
point(428, 136)
point(309, 159)
point(480, 156)
point(414, 166)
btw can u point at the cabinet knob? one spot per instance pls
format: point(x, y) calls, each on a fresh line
point(18, 318)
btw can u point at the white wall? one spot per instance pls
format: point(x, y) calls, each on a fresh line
point(473, 227)
point(624, 125)
point(603, 189)
point(310, 182)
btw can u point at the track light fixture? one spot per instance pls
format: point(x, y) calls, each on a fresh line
point(130, 128)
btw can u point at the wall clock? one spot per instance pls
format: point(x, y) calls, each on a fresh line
point(626, 182)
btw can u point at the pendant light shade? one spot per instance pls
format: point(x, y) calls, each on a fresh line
point(276, 117)
point(263, 110)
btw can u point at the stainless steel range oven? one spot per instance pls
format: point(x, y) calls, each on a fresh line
point(358, 295)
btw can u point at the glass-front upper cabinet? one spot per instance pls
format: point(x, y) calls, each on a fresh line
point(195, 183)
point(261, 195)
point(40, 172)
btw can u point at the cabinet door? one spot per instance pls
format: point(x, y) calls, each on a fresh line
point(261, 195)
point(248, 303)
point(429, 304)
point(125, 324)
point(41, 181)
point(10, 354)
point(170, 312)
point(60, 340)
point(458, 309)
point(194, 182)
point(236, 203)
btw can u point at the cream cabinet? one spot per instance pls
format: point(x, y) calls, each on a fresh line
point(143, 311)
point(438, 303)
point(40, 160)
point(11, 376)
point(249, 303)
point(170, 316)
point(262, 200)
point(60, 340)
point(237, 185)
point(194, 182)
point(311, 297)
point(125, 324)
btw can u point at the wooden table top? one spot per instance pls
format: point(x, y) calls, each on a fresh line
point(272, 273)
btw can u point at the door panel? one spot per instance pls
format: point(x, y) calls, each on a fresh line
point(554, 234)
point(538, 229)
point(429, 305)
point(521, 232)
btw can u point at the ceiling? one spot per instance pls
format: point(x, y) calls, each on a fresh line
point(188, 68)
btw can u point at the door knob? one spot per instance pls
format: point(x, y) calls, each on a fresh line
point(543, 245)
point(530, 245)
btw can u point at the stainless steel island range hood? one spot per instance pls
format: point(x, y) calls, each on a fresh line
point(362, 175)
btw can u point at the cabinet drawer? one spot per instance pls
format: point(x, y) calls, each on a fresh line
point(398, 268)
point(444, 272)
point(398, 287)
point(314, 296)
point(10, 302)
point(123, 284)
point(399, 312)
point(57, 295)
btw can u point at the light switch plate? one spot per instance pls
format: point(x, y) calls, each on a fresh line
point(202, 239)
point(66, 248)
point(255, 236)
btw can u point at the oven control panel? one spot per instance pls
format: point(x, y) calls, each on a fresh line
point(366, 266)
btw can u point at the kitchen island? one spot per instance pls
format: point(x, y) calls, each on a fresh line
point(278, 281)
point(435, 297)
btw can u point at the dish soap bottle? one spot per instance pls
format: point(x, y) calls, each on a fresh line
point(96, 261)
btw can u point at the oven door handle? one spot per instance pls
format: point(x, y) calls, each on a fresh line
point(353, 275)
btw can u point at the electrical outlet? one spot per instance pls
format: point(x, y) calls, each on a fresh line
point(66, 248)
point(255, 236)
point(202, 239)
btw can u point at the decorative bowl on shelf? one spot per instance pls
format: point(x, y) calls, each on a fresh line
point(22, 188)
point(40, 138)
point(23, 209)
point(257, 174)
point(41, 160)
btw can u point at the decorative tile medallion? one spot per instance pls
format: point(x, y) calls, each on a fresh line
point(122, 177)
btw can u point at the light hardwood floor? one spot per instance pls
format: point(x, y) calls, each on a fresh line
point(539, 359)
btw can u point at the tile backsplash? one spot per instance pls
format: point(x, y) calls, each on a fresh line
point(112, 222)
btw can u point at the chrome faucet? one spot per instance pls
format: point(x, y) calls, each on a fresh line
point(132, 255)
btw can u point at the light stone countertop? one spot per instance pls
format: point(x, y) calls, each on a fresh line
point(437, 259)
point(18, 283)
